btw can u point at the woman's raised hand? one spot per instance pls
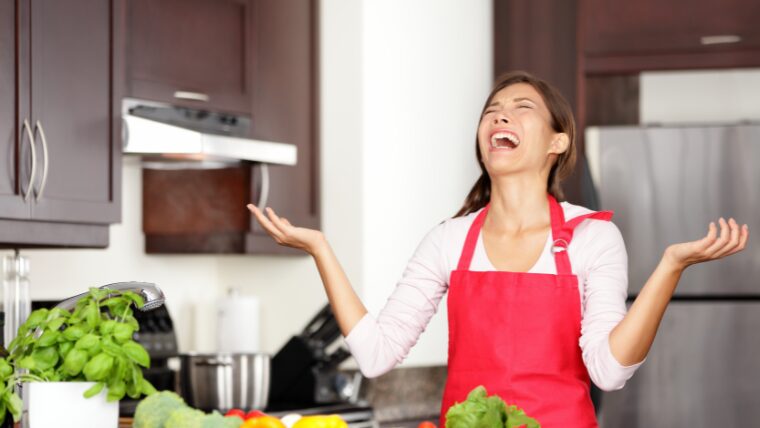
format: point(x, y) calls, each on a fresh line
point(284, 233)
point(731, 240)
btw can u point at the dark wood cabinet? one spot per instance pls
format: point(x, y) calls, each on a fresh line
point(196, 53)
point(624, 36)
point(61, 62)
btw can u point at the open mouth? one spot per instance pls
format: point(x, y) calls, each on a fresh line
point(504, 140)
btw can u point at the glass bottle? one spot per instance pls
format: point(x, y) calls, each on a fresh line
point(16, 304)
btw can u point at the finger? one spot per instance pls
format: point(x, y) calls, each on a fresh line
point(742, 241)
point(284, 220)
point(733, 240)
point(709, 239)
point(266, 224)
point(722, 239)
point(276, 220)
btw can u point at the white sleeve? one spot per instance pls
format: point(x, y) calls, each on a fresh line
point(379, 344)
point(605, 292)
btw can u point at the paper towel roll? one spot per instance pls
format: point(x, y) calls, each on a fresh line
point(238, 324)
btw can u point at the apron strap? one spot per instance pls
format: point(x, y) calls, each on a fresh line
point(562, 232)
point(472, 240)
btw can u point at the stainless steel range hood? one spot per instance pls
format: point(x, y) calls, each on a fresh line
point(152, 128)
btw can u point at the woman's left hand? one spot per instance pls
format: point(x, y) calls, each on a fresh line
point(732, 239)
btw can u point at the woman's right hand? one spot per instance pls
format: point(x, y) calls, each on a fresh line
point(284, 233)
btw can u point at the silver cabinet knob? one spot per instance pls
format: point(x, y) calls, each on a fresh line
point(28, 129)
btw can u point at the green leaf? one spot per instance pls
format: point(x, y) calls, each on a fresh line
point(147, 388)
point(64, 348)
point(14, 406)
point(98, 367)
point(48, 338)
point(136, 353)
point(94, 390)
point(56, 324)
point(107, 326)
point(117, 390)
point(134, 297)
point(45, 358)
point(87, 341)
point(75, 362)
point(56, 313)
point(26, 363)
point(123, 332)
point(111, 348)
point(92, 315)
point(73, 333)
point(5, 370)
point(36, 318)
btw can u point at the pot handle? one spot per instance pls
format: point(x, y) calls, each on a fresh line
point(212, 362)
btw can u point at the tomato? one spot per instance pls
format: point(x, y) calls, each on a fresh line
point(236, 412)
point(263, 422)
point(426, 424)
point(254, 414)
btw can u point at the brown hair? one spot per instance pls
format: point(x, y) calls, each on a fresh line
point(562, 121)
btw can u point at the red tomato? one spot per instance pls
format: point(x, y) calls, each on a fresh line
point(254, 414)
point(426, 424)
point(236, 412)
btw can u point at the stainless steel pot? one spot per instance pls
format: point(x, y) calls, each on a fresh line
point(225, 381)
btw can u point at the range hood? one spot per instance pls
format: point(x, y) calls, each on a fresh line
point(152, 128)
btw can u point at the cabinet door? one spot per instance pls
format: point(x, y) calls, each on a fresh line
point(73, 101)
point(285, 108)
point(191, 52)
point(651, 26)
point(14, 141)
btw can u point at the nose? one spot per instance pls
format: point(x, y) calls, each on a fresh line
point(500, 118)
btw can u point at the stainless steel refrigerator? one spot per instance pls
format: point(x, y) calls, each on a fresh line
point(665, 185)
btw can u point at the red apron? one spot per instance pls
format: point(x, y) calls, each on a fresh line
point(517, 333)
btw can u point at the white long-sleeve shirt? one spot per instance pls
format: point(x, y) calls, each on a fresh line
point(598, 258)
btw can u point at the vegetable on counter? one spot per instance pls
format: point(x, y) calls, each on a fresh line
point(481, 411)
point(166, 409)
point(321, 421)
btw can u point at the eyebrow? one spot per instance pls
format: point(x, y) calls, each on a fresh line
point(517, 100)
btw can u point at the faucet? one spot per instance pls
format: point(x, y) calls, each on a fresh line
point(152, 296)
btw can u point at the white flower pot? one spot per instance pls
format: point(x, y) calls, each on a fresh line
point(62, 405)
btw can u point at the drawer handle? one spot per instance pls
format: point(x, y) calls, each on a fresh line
point(37, 126)
point(34, 159)
point(192, 96)
point(720, 39)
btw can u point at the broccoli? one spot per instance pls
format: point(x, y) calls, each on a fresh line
point(216, 420)
point(154, 410)
point(186, 417)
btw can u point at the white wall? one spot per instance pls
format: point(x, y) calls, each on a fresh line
point(707, 96)
point(428, 70)
point(402, 85)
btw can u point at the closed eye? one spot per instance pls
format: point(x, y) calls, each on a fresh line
point(524, 106)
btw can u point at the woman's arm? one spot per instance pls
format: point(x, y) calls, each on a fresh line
point(346, 306)
point(631, 339)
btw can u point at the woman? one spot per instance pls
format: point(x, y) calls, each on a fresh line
point(536, 288)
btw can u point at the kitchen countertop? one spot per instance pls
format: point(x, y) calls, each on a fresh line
point(406, 394)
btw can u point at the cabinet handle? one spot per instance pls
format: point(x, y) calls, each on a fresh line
point(264, 195)
point(37, 126)
point(192, 96)
point(34, 159)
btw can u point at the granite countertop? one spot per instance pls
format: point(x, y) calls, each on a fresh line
point(406, 394)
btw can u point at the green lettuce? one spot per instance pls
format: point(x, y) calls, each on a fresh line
point(481, 411)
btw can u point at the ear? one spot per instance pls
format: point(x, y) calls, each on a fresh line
point(560, 143)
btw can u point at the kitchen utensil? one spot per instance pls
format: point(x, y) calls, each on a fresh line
point(224, 381)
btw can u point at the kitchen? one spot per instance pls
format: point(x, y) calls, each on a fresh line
point(373, 58)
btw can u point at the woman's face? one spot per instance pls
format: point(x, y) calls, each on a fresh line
point(515, 133)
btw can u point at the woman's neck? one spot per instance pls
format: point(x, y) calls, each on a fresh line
point(518, 203)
